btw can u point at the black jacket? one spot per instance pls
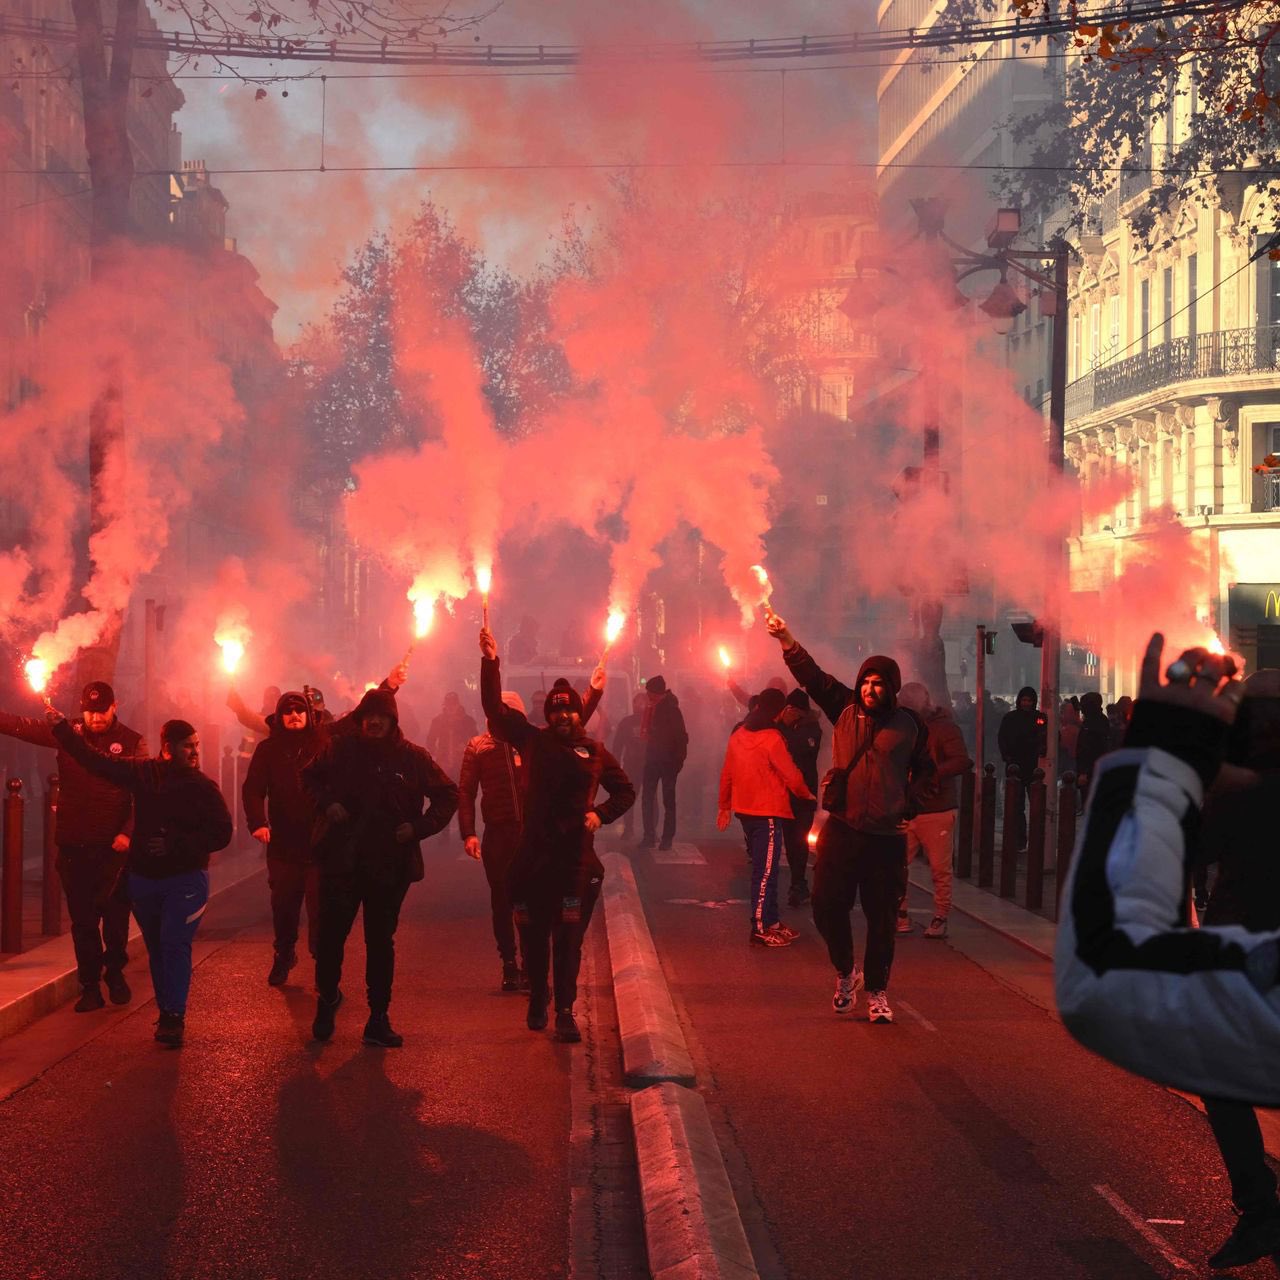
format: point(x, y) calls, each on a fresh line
point(557, 853)
point(1092, 742)
point(667, 743)
point(1021, 737)
point(180, 817)
point(91, 810)
point(273, 793)
point(381, 784)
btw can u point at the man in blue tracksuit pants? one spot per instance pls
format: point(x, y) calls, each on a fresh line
point(180, 818)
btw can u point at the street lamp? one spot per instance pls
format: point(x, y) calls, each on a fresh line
point(1003, 307)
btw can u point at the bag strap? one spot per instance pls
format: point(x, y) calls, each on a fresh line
point(863, 747)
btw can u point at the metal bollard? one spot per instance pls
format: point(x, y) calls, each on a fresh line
point(1035, 841)
point(1067, 796)
point(11, 878)
point(987, 829)
point(51, 897)
point(1009, 834)
point(964, 856)
point(227, 781)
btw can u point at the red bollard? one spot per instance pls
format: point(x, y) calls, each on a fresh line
point(1036, 842)
point(964, 855)
point(11, 871)
point(51, 899)
point(1009, 834)
point(1068, 794)
point(987, 829)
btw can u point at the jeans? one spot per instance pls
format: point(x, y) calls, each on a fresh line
point(291, 883)
point(933, 834)
point(497, 848)
point(168, 912)
point(341, 896)
point(764, 847)
point(655, 772)
point(796, 834)
point(98, 904)
point(851, 864)
point(551, 934)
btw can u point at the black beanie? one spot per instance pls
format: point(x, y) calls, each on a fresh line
point(799, 699)
point(562, 695)
point(770, 702)
point(656, 685)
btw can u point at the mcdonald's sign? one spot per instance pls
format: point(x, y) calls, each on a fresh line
point(1254, 604)
point(1273, 602)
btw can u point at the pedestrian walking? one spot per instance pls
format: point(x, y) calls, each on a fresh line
point(802, 732)
point(757, 783)
point(1022, 743)
point(449, 734)
point(93, 833)
point(180, 818)
point(555, 876)
point(666, 745)
point(370, 788)
point(932, 830)
point(499, 774)
point(628, 749)
point(281, 815)
point(880, 766)
point(1093, 741)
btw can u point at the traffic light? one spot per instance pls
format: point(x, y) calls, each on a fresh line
point(989, 641)
point(1029, 632)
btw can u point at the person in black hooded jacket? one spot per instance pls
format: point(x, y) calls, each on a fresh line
point(555, 876)
point(370, 787)
point(281, 815)
point(666, 745)
point(881, 752)
point(1094, 739)
point(1022, 742)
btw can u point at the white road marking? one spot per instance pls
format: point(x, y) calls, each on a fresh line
point(1153, 1238)
point(1169, 1222)
point(680, 854)
point(703, 902)
point(917, 1015)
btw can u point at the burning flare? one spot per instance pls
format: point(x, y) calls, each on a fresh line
point(766, 589)
point(424, 614)
point(726, 660)
point(613, 627)
point(37, 670)
point(232, 653)
point(484, 579)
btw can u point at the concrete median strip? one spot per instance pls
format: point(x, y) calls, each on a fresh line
point(691, 1222)
point(653, 1045)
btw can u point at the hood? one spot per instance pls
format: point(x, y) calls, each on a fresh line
point(381, 701)
point(291, 697)
point(1024, 692)
point(888, 670)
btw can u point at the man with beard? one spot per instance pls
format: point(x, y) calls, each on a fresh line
point(370, 787)
point(180, 818)
point(281, 816)
point(95, 819)
point(881, 765)
point(555, 877)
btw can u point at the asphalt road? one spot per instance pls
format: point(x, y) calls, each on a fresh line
point(253, 1152)
point(972, 1138)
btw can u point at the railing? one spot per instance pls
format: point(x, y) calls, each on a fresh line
point(1271, 491)
point(1208, 355)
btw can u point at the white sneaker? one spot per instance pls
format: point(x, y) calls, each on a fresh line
point(878, 1009)
point(937, 927)
point(904, 923)
point(847, 989)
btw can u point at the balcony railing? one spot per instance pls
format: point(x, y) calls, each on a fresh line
point(1271, 491)
point(1208, 355)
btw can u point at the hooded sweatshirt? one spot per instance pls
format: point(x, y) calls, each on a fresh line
point(888, 751)
point(1020, 734)
point(381, 783)
point(759, 776)
point(273, 793)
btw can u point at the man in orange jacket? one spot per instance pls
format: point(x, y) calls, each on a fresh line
point(757, 782)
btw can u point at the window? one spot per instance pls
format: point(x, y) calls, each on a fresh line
point(1144, 315)
point(1075, 347)
point(1192, 295)
point(1189, 453)
point(1166, 472)
point(1095, 335)
point(1114, 336)
point(1275, 438)
point(1167, 327)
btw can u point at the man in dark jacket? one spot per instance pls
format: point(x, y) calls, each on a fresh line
point(1094, 739)
point(881, 751)
point(281, 816)
point(1022, 743)
point(95, 819)
point(628, 748)
point(180, 818)
point(370, 787)
point(555, 875)
point(932, 830)
point(1237, 834)
point(666, 744)
point(802, 732)
point(450, 732)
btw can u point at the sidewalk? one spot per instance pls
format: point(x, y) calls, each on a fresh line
point(37, 981)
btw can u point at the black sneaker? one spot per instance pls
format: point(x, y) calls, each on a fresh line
point(1257, 1235)
point(118, 988)
point(510, 976)
point(90, 998)
point(567, 1027)
point(664, 846)
point(326, 1011)
point(536, 1019)
point(377, 1031)
point(798, 895)
point(280, 966)
point(169, 1028)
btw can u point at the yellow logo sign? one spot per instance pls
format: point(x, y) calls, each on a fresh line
point(1273, 602)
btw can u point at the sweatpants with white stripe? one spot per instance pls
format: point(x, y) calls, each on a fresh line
point(765, 847)
point(168, 912)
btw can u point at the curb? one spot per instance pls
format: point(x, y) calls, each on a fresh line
point(653, 1045)
point(1001, 916)
point(36, 982)
point(691, 1223)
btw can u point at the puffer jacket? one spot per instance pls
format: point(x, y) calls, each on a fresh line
point(759, 776)
point(498, 772)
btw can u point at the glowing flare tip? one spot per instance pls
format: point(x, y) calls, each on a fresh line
point(484, 578)
point(232, 652)
point(613, 628)
point(725, 660)
point(37, 670)
point(423, 615)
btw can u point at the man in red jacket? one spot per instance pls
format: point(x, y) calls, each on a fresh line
point(757, 782)
point(95, 819)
